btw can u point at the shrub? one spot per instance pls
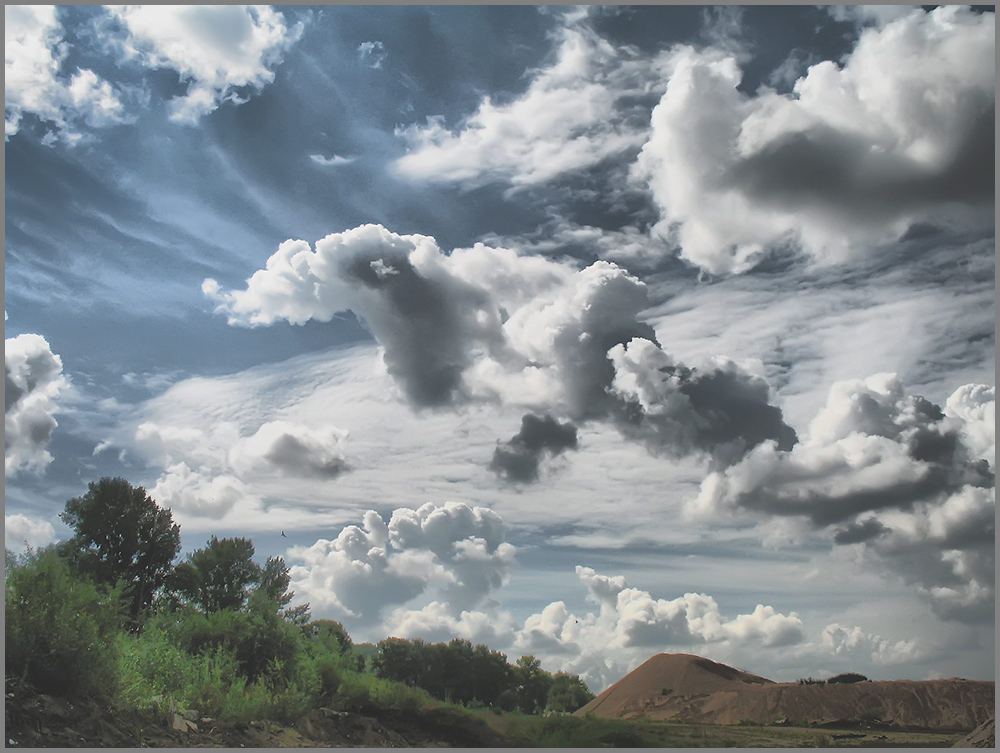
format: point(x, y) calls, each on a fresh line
point(153, 671)
point(848, 677)
point(61, 627)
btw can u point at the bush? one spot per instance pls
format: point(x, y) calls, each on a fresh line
point(848, 677)
point(61, 627)
point(153, 671)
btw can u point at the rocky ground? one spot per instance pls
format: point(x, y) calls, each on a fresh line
point(44, 721)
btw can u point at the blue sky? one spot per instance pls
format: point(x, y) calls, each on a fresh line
point(582, 332)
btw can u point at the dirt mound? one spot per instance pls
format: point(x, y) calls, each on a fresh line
point(983, 736)
point(685, 688)
point(677, 677)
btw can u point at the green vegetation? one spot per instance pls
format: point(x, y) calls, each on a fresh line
point(108, 613)
point(848, 677)
point(477, 677)
point(590, 732)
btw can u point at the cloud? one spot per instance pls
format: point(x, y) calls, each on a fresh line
point(975, 406)
point(201, 493)
point(490, 325)
point(223, 53)
point(372, 54)
point(210, 472)
point(894, 469)
point(718, 407)
point(333, 161)
point(518, 459)
point(33, 379)
point(863, 15)
point(34, 55)
point(855, 643)
point(21, 531)
point(852, 157)
point(436, 623)
point(291, 449)
point(575, 113)
point(631, 624)
point(456, 550)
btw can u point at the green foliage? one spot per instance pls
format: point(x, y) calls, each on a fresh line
point(567, 693)
point(848, 677)
point(533, 685)
point(329, 633)
point(60, 631)
point(477, 677)
point(153, 671)
point(121, 535)
point(218, 577)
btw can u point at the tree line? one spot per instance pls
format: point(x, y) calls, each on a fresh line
point(111, 612)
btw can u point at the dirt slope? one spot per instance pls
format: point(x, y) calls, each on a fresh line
point(690, 689)
point(983, 736)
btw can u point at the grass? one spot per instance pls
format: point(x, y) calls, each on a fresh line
point(573, 732)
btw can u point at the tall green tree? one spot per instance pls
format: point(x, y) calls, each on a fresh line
point(220, 575)
point(121, 535)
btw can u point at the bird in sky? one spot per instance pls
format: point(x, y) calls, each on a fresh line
point(283, 534)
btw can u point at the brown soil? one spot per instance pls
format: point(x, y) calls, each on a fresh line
point(687, 688)
point(983, 736)
point(43, 721)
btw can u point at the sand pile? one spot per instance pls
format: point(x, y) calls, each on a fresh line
point(692, 689)
point(671, 678)
point(983, 736)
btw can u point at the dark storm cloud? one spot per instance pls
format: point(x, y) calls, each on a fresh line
point(910, 480)
point(428, 348)
point(519, 458)
point(830, 169)
point(857, 533)
point(718, 409)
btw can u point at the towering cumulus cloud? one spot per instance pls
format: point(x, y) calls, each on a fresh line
point(487, 324)
point(631, 623)
point(33, 379)
point(902, 130)
point(457, 550)
point(890, 472)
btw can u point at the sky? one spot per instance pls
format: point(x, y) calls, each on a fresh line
point(582, 332)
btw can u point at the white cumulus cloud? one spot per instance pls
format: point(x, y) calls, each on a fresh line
point(850, 158)
point(35, 82)
point(453, 549)
point(21, 530)
point(218, 51)
point(33, 380)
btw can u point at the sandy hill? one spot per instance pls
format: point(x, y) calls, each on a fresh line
point(692, 689)
point(667, 676)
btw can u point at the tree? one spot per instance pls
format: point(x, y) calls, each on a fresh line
point(397, 659)
point(533, 684)
point(121, 535)
point(331, 634)
point(568, 693)
point(220, 575)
